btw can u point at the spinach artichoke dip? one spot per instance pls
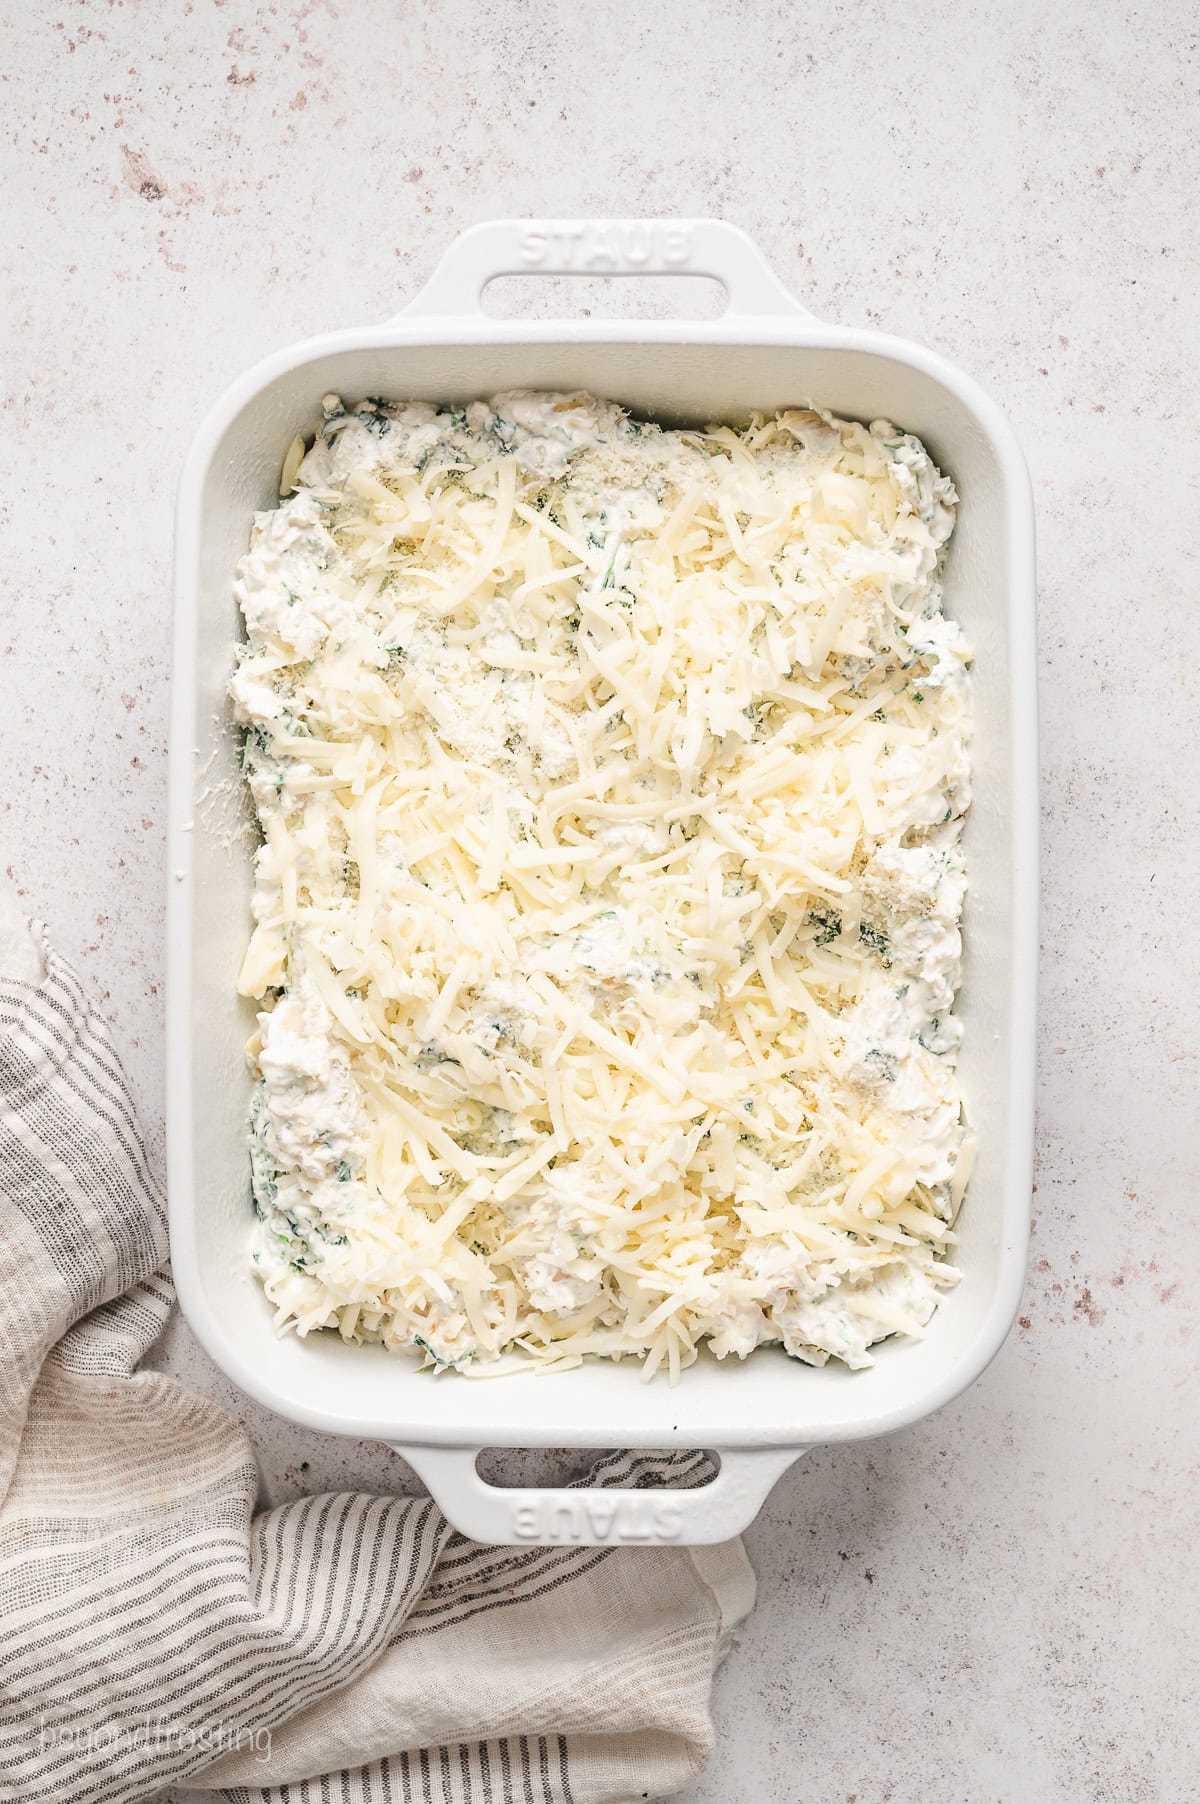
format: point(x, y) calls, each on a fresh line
point(611, 783)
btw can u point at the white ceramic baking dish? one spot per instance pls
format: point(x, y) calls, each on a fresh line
point(765, 352)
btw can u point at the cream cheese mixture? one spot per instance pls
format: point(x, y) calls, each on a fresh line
point(611, 782)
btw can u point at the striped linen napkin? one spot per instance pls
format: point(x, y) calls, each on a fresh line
point(156, 1632)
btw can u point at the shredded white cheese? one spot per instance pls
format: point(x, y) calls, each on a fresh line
point(611, 782)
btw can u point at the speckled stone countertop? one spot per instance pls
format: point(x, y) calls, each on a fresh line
point(993, 1606)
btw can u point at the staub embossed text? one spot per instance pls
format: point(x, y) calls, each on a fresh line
point(592, 1516)
point(623, 244)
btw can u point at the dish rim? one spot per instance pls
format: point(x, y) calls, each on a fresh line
point(790, 333)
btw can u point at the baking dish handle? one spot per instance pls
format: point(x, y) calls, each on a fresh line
point(603, 247)
point(574, 1515)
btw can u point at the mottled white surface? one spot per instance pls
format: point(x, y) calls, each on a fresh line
point(993, 1605)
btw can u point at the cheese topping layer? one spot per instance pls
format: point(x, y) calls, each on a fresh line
point(611, 782)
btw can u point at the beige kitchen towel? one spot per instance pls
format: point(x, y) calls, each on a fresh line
point(155, 1631)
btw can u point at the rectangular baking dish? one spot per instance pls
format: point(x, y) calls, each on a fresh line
point(765, 352)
